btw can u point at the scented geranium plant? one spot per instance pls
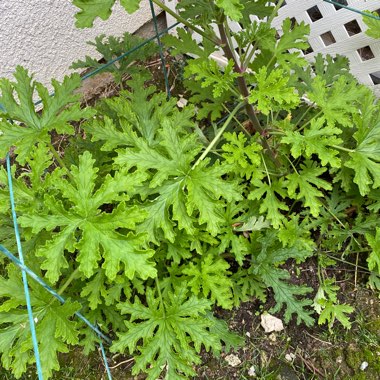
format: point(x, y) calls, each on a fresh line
point(154, 215)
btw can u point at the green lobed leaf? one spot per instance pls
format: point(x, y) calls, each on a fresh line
point(210, 75)
point(337, 102)
point(272, 91)
point(318, 139)
point(270, 204)
point(58, 111)
point(232, 8)
point(373, 25)
point(364, 159)
point(305, 185)
point(374, 257)
point(92, 9)
point(182, 193)
point(265, 266)
point(167, 330)
point(332, 312)
point(98, 231)
point(111, 47)
point(210, 276)
point(54, 326)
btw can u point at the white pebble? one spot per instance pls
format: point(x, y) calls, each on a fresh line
point(290, 357)
point(252, 372)
point(232, 360)
point(363, 366)
point(270, 323)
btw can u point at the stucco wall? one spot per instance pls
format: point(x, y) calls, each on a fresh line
point(41, 35)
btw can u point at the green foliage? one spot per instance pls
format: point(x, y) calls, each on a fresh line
point(332, 312)
point(319, 139)
point(373, 25)
point(165, 329)
point(208, 72)
point(91, 9)
point(150, 219)
point(266, 267)
point(75, 211)
point(210, 276)
point(56, 330)
point(32, 127)
point(113, 47)
point(272, 92)
point(374, 257)
point(232, 8)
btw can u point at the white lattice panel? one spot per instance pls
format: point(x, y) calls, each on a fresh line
point(333, 30)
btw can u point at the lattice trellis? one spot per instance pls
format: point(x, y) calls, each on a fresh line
point(334, 30)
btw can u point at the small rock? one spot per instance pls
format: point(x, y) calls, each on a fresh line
point(248, 334)
point(272, 337)
point(290, 357)
point(270, 323)
point(232, 360)
point(363, 366)
point(182, 102)
point(252, 372)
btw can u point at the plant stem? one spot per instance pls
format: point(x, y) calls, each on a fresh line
point(309, 121)
point(218, 135)
point(160, 297)
point(71, 278)
point(60, 161)
point(243, 87)
point(187, 23)
point(229, 39)
point(266, 170)
point(347, 262)
point(343, 149)
point(244, 91)
point(300, 118)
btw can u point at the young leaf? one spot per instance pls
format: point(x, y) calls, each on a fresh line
point(210, 75)
point(242, 157)
point(273, 92)
point(332, 311)
point(210, 276)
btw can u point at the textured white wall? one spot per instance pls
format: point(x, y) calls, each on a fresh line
point(41, 35)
